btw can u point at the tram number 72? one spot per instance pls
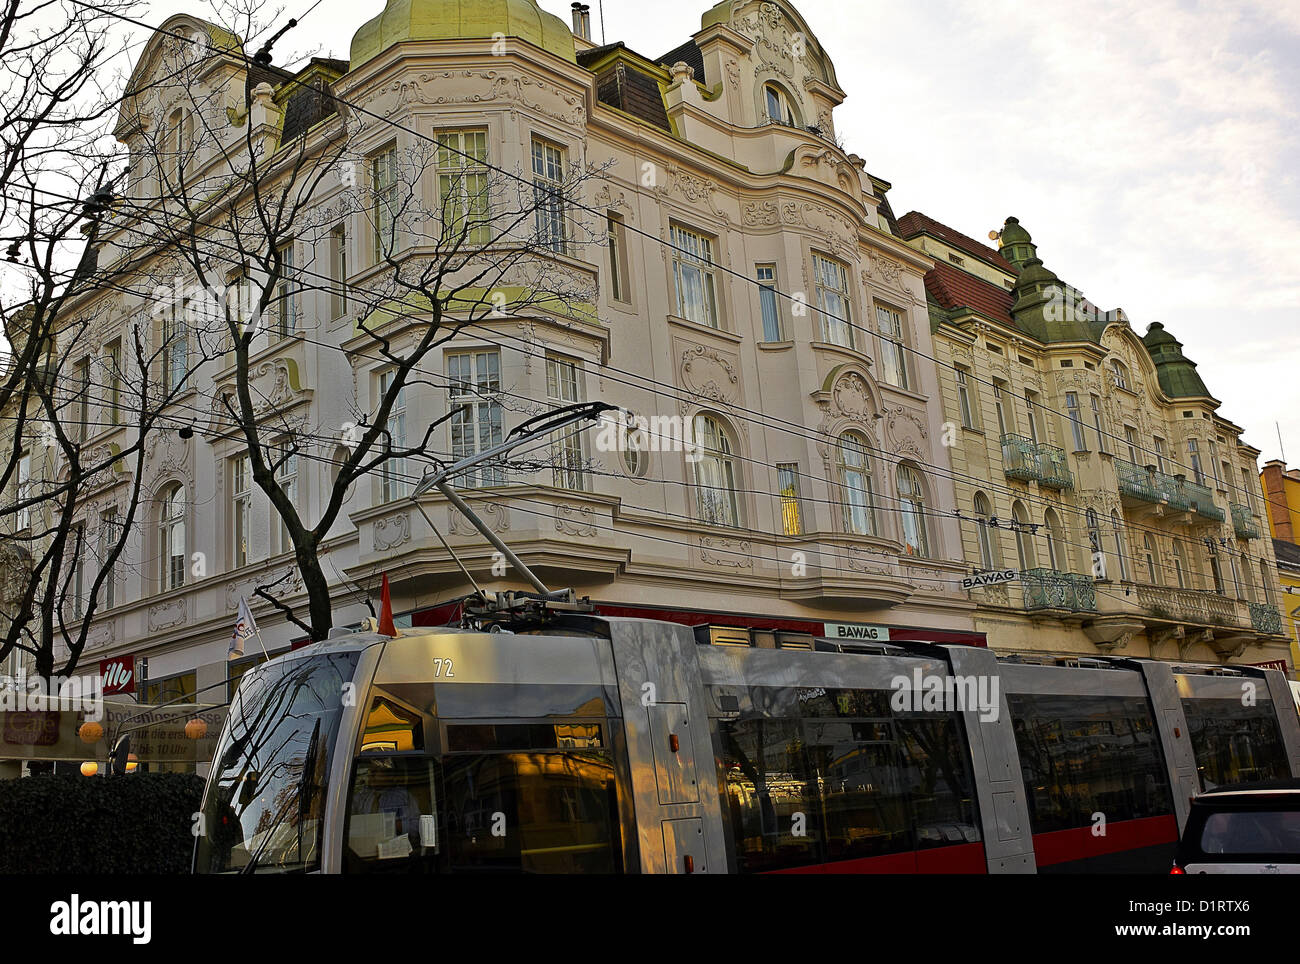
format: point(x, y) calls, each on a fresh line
point(438, 668)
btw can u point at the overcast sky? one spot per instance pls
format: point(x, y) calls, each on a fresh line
point(1149, 147)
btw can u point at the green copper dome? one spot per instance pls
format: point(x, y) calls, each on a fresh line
point(1015, 244)
point(1177, 372)
point(461, 20)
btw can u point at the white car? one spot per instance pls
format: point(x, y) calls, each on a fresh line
point(1243, 829)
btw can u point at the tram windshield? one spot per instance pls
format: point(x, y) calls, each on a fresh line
point(264, 807)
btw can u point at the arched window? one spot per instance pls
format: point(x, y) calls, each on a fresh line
point(984, 533)
point(1118, 528)
point(715, 474)
point(1151, 558)
point(911, 498)
point(1180, 564)
point(777, 107)
point(857, 493)
point(1024, 544)
point(1265, 581)
point(1055, 545)
point(1118, 373)
point(171, 524)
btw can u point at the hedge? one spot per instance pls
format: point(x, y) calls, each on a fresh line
point(139, 823)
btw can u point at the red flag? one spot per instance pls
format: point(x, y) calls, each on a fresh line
point(386, 626)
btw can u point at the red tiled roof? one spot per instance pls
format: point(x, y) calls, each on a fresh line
point(914, 222)
point(951, 287)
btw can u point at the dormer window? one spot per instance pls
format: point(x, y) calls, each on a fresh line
point(779, 110)
point(1118, 373)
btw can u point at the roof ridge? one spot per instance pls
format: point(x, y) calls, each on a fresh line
point(921, 222)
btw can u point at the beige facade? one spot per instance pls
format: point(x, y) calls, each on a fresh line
point(823, 493)
point(1135, 515)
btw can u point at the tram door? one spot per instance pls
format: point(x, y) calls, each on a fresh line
point(679, 822)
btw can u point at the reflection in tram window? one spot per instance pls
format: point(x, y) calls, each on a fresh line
point(392, 727)
point(1082, 755)
point(392, 815)
point(1235, 743)
point(855, 787)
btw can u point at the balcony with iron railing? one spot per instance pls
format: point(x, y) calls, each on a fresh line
point(1147, 485)
point(1243, 521)
point(1265, 619)
point(1020, 458)
point(1053, 470)
point(1049, 589)
point(1201, 500)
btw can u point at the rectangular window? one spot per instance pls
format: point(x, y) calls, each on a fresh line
point(81, 402)
point(1246, 484)
point(172, 144)
point(765, 274)
point(393, 471)
point(475, 381)
point(24, 488)
point(1160, 454)
point(1214, 465)
point(1130, 441)
point(893, 361)
point(548, 195)
point(1006, 417)
point(241, 502)
point(286, 294)
point(963, 398)
point(562, 388)
point(108, 536)
point(287, 476)
point(383, 188)
point(1194, 457)
point(113, 361)
point(1098, 423)
point(463, 186)
point(1031, 403)
point(175, 349)
point(1076, 426)
point(832, 283)
point(616, 241)
point(79, 571)
point(338, 271)
point(787, 482)
point(693, 276)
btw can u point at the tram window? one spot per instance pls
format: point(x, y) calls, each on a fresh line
point(939, 784)
point(1081, 755)
point(772, 801)
point(1235, 743)
point(544, 813)
point(391, 727)
point(454, 700)
point(523, 736)
point(392, 814)
point(862, 798)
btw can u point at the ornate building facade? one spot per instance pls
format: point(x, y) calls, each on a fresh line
point(749, 286)
point(1092, 459)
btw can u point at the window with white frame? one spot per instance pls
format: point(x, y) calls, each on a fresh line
point(620, 288)
point(548, 195)
point(857, 494)
point(241, 510)
point(1160, 454)
point(1098, 422)
point(787, 485)
point(81, 399)
point(715, 474)
point(911, 496)
point(286, 294)
point(113, 362)
point(25, 488)
point(1055, 548)
point(175, 346)
point(1117, 528)
point(765, 275)
point(286, 474)
point(383, 188)
point(1118, 373)
point(836, 310)
point(463, 185)
point(1024, 545)
point(893, 360)
point(338, 253)
point(1180, 565)
point(563, 387)
point(984, 532)
point(109, 534)
point(1194, 458)
point(693, 277)
point(393, 481)
point(1006, 415)
point(1076, 424)
point(171, 526)
point(963, 397)
point(474, 379)
point(777, 107)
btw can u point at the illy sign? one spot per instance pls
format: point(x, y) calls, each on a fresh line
point(117, 675)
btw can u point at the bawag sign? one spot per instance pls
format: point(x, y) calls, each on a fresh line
point(991, 578)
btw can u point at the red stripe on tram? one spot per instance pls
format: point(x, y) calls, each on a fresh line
point(1060, 846)
point(960, 859)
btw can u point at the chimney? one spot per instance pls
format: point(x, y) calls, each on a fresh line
point(582, 20)
point(1275, 501)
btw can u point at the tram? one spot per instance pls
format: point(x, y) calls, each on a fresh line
point(540, 737)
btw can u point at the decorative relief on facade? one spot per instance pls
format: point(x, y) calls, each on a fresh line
point(514, 89)
point(833, 228)
point(496, 516)
point(709, 375)
point(101, 635)
point(728, 553)
point(733, 73)
point(166, 615)
point(607, 197)
point(575, 520)
point(692, 187)
point(903, 427)
point(861, 560)
point(391, 532)
point(166, 453)
point(278, 582)
point(889, 272)
point(827, 165)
